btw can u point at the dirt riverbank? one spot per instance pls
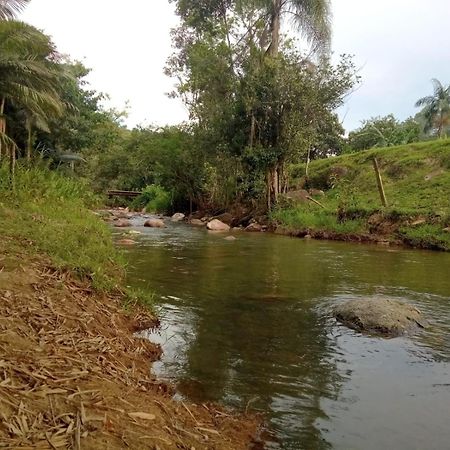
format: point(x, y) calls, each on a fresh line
point(72, 375)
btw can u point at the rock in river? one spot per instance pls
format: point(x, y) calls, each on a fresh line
point(254, 227)
point(217, 225)
point(197, 222)
point(155, 223)
point(380, 316)
point(122, 223)
point(177, 217)
point(126, 242)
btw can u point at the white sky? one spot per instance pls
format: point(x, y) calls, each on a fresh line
point(399, 45)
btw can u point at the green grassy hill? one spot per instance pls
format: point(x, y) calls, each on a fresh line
point(417, 184)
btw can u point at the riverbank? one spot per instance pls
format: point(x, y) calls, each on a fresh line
point(73, 374)
point(416, 181)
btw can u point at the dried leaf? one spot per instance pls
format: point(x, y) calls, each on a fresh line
point(142, 415)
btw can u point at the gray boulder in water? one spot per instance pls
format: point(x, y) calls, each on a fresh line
point(380, 316)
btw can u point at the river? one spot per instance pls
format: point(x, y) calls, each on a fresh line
point(248, 323)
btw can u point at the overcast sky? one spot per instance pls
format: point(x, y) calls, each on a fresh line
point(399, 45)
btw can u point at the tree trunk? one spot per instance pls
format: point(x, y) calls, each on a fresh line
point(29, 139)
point(2, 125)
point(252, 131)
point(308, 161)
point(268, 190)
point(273, 187)
point(12, 163)
point(275, 24)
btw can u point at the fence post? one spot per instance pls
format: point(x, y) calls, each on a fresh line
point(380, 182)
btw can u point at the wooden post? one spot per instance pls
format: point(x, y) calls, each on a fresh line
point(379, 182)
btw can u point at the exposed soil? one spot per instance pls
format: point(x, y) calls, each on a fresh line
point(72, 375)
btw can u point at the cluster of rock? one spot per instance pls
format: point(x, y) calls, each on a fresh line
point(122, 218)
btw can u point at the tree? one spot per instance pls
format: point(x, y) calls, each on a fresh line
point(10, 8)
point(312, 20)
point(256, 102)
point(384, 132)
point(436, 109)
point(29, 79)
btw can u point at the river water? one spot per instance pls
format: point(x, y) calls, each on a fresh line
point(248, 323)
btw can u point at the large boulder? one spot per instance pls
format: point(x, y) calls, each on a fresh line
point(122, 223)
point(299, 196)
point(197, 222)
point(217, 225)
point(380, 316)
point(177, 217)
point(155, 223)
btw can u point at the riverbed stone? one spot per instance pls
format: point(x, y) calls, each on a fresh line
point(385, 317)
point(226, 218)
point(126, 242)
point(217, 225)
point(197, 222)
point(121, 213)
point(230, 238)
point(177, 217)
point(254, 227)
point(122, 223)
point(155, 223)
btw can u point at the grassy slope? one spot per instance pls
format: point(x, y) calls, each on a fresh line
point(417, 185)
point(50, 213)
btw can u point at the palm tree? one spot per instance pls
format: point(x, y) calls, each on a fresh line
point(312, 18)
point(29, 78)
point(436, 109)
point(10, 8)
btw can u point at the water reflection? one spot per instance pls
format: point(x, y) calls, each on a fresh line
point(247, 323)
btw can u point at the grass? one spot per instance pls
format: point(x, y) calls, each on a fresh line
point(52, 214)
point(417, 184)
point(306, 218)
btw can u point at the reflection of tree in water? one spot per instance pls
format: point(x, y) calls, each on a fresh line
point(262, 340)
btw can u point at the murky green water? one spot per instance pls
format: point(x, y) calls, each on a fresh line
point(248, 323)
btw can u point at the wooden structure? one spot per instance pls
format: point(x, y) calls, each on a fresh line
point(128, 194)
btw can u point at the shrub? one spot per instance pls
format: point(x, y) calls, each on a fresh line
point(154, 199)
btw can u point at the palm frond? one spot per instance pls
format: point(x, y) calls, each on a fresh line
point(313, 19)
point(424, 101)
point(10, 8)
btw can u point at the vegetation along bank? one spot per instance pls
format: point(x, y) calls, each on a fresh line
point(416, 181)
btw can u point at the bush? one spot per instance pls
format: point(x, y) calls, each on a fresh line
point(154, 199)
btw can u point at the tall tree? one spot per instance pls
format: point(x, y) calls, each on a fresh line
point(436, 109)
point(312, 18)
